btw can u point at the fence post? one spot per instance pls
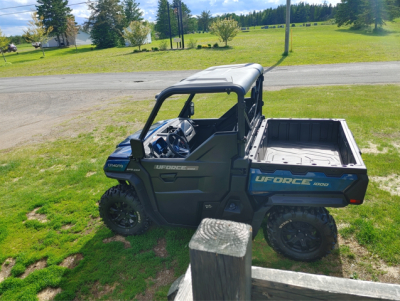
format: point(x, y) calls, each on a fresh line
point(220, 258)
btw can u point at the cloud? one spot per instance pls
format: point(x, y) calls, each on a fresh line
point(13, 24)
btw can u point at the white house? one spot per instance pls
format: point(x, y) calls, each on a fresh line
point(82, 38)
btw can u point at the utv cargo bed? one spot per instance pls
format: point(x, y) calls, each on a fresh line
point(302, 161)
point(306, 142)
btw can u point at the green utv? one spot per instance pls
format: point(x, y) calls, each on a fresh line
point(241, 167)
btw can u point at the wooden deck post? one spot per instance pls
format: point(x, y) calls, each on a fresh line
point(220, 258)
point(220, 269)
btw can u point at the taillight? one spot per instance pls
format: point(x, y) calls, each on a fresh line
point(355, 201)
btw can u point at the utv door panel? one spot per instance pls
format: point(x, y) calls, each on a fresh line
point(181, 186)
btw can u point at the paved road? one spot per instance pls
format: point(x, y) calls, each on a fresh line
point(32, 105)
point(336, 74)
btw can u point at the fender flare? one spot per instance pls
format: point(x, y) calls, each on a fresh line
point(141, 192)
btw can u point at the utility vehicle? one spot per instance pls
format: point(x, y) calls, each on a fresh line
point(11, 48)
point(241, 167)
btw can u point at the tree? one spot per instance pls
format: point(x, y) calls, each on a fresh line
point(393, 8)
point(132, 12)
point(105, 23)
point(347, 12)
point(54, 14)
point(17, 39)
point(4, 41)
point(37, 31)
point(362, 13)
point(373, 12)
point(162, 22)
point(136, 33)
point(204, 19)
point(225, 29)
point(186, 16)
point(72, 29)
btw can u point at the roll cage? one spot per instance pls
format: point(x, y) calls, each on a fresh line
point(222, 79)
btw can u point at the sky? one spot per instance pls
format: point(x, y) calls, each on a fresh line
point(14, 24)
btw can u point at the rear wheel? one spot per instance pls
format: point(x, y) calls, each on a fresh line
point(122, 211)
point(301, 233)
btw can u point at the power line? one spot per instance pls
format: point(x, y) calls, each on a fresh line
point(21, 12)
point(27, 11)
point(16, 6)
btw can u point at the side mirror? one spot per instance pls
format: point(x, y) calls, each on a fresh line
point(137, 148)
point(191, 108)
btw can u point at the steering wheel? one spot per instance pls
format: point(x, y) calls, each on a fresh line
point(178, 145)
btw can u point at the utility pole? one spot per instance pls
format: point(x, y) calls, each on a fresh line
point(287, 29)
point(183, 39)
point(179, 26)
point(169, 23)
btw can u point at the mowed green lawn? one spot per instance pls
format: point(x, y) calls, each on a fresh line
point(322, 44)
point(63, 180)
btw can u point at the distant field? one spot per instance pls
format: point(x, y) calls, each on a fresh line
point(322, 44)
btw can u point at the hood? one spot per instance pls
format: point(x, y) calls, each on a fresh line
point(120, 158)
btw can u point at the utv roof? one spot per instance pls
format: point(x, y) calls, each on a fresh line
point(235, 78)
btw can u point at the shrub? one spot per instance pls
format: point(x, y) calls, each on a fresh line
point(136, 50)
point(144, 50)
point(209, 45)
point(226, 29)
point(216, 45)
point(204, 46)
point(155, 49)
point(199, 46)
point(192, 43)
point(136, 33)
point(163, 45)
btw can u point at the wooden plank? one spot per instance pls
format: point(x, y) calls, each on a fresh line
point(185, 287)
point(220, 257)
point(270, 284)
point(174, 288)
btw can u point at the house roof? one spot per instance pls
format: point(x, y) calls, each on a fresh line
point(236, 78)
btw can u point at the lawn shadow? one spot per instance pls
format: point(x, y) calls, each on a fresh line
point(276, 64)
point(69, 50)
point(220, 48)
point(381, 32)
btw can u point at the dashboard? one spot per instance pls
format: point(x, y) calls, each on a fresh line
point(156, 145)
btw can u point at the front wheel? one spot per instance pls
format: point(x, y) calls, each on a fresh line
point(122, 212)
point(301, 233)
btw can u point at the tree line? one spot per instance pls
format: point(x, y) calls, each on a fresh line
point(300, 13)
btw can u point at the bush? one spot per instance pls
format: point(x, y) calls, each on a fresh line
point(192, 43)
point(199, 46)
point(216, 45)
point(136, 50)
point(163, 45)
point(209, 45)
point(155, 49)
point(204, 46)
point(144, 50)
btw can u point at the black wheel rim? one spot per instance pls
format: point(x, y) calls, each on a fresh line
point(122, 215)
point(301, 237)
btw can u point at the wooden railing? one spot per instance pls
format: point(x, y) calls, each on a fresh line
point(220, 269)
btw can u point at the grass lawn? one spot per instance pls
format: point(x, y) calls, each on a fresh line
point(49, 195)
point(322, 44)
